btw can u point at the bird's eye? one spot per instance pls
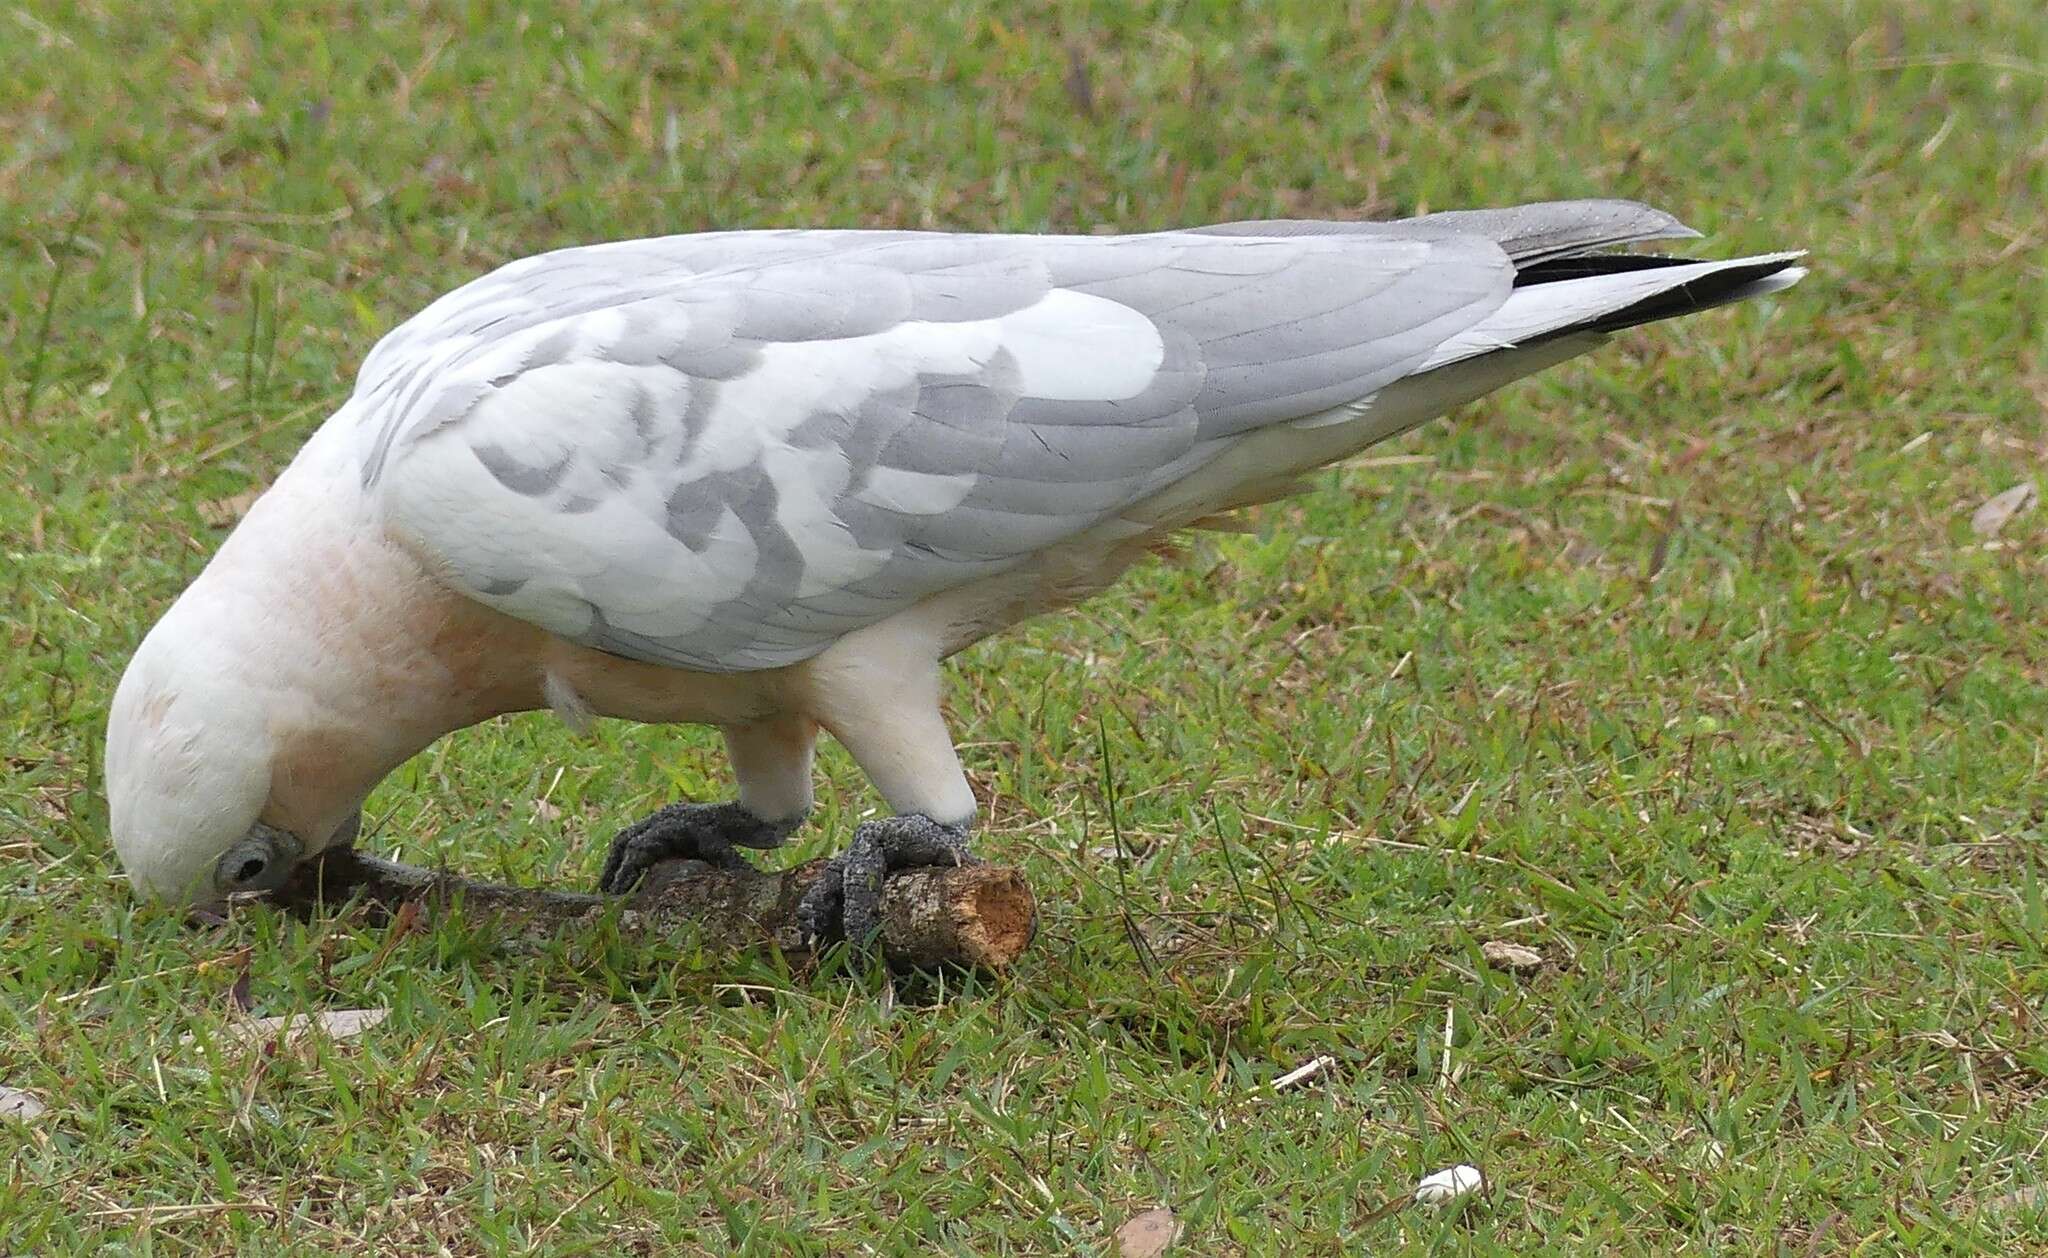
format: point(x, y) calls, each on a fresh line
point(259, 861)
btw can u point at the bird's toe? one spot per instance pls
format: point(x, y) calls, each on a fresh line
point(703, 832)
point(850, 886)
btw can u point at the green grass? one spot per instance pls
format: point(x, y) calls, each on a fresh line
point(1680, 664)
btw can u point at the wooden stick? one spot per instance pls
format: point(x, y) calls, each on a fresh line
point(969, 917)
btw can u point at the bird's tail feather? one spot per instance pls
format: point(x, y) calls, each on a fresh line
point(1600, 293)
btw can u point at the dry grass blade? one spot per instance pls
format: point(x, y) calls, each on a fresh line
point(1303, 1073)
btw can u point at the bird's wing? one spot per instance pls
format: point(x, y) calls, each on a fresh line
point(724, 452)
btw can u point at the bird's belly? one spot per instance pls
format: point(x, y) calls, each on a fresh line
point(581, 681)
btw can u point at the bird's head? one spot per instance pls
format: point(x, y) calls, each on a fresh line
point(190, 757)
point(307, 660)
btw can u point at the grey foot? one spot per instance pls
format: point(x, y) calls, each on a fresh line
point(704, 832)
point(850, 888)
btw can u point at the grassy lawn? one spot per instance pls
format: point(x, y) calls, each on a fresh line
point(1682, 665)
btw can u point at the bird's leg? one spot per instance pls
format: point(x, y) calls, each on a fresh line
point(898, 736)
point(772, 759)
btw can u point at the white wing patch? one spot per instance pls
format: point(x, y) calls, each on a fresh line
point(915, 493)
point(1074, 347)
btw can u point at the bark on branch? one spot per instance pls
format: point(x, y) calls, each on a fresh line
point(972, 917)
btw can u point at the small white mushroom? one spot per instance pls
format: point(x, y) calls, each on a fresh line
point(1448, 1184)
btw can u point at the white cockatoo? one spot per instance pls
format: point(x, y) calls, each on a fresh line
point(769, 480)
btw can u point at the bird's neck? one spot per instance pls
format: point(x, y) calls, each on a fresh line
point(364, 658)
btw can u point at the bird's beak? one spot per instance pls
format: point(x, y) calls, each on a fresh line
point(263, 861)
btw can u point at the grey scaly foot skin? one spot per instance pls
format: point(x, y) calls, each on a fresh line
point(850, 888)
point(705, 832)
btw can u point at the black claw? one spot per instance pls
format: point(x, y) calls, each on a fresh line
point(817, 914)
point(705, 832)
point(850, 886)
